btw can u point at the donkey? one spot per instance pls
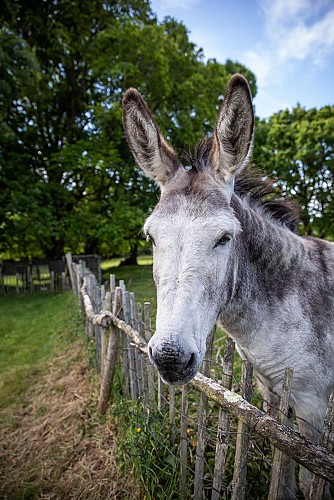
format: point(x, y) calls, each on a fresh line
point(223, 252)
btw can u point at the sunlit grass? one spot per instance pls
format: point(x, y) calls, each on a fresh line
point(143, 260)
point(137, 279)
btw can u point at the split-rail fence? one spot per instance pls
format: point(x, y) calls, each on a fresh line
point(121, 329)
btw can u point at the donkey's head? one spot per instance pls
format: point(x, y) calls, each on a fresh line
point(193, 228)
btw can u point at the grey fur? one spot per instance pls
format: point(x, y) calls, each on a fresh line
point(223, 251)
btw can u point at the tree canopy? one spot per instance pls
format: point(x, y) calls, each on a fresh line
point(297, 147)
point(68, 181)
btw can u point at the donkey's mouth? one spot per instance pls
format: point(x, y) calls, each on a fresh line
point(175, 369)
point(174, 378)
point(177, 374)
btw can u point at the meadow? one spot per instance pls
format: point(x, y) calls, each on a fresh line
point(33, 328)
point(52, 443)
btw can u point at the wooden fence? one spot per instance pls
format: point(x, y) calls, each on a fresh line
point(42, 275)
point(33, 276)
point(121, 328)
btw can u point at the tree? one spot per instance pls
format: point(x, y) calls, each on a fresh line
point(297, 147)
point(74, 182)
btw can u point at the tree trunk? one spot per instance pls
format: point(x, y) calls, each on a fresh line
point(56, 251)
point(132, 259)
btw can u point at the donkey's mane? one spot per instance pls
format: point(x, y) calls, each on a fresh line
point(251, 186)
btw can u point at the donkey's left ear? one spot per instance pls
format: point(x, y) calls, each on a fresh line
point(233, 135)
point(151, 151)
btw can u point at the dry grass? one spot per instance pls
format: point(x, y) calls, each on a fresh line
point(55, 447)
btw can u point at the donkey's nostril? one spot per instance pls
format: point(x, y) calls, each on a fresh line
point(150, 353)
point(191, 362)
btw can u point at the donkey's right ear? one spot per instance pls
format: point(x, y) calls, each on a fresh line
point(152, 153)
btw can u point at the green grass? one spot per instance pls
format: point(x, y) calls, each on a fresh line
point(138, 279)
point(33, 328)
point(142, 261)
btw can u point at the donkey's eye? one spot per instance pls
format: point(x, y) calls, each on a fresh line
point(223, 240)
point(149, 239)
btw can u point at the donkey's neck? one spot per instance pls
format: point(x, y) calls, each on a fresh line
point(267, 256)
point(269, 246)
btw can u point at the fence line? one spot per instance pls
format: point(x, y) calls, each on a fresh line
point(43, 275)
point(119, 315)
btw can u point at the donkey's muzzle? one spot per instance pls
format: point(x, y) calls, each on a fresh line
point(175, 365)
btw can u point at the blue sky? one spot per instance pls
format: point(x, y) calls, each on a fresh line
point(288, 44)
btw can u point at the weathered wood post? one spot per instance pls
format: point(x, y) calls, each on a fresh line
point(202, 418)
point(111, 357)
point(318, 483)
point(68, 258)
point(135, 355)
point(127, 343)
point(282, 419)
point(183, 443)
point(106, 306)
point(142, 379)
point(150, 369)
point(172, 415)
point(223, 434)
point(240, 460)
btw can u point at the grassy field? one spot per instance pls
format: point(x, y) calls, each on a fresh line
point(33, 328)
point(52, 442)
point(138, 279)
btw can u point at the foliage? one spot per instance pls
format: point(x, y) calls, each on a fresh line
point(67, 179)
point(297, 147)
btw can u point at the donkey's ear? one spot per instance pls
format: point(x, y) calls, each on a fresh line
point(233, 135)
point(151, 151)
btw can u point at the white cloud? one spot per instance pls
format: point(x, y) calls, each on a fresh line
point(180, 4)
point(296, 30)
point(315, 42)
point(260, 64)
point(280, 13)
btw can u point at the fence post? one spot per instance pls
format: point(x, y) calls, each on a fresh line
point(110, 361)
point(128, 347)
point(172, 415)
point(106, 306)
point(136, 357)
point(52, 281)
point(223, 434)
point(281, 418)
point(318, 484)
point(240, 460)
point(112, 282)
point(98, 332)
point(142, 382)
point(68, 258)
point(183, 442)
point(202, 416)
point(149, 367)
